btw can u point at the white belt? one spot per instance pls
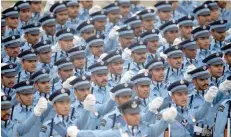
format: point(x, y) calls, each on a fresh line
point(202, 131)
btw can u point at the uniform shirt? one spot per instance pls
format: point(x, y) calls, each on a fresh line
point(23, 75)
point(227, 71)
point(10, 92)
point(26, 46)
point(81, 72)
point(53, 38)
point(59, 27)
point(35, 17)
point(83, 14)
point(177, 14)
point(134, 8)
point(101, 93)
point(58, 55)
point(73, 23)
point(10, 32)
point(133, 66)
point(173, 74)
point(113, 79)
point(225, 14)
point(158, 89)
point(216, 81)
point(8, 59)
point(217, 45)
point(91, 60)
point(186, 7)
point(188, 61)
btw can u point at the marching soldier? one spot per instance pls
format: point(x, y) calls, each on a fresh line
point(202, 14)
point(185, 24)
point(147, 19)
point(99, 21)
point(214, 9)
point(227, 57)
point(135, 23)
point(84, 11)
point(36, 8)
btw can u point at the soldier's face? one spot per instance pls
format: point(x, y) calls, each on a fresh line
point(170, 36)
point(29, 65)
point(122, 99)
point(65, 74)
point(99, 25)
point(13, 52)
point(219, 36)
point(185, 31)
point(5, 114)
point(180, 98)
point(165, 15)
point(190, 53)
point(157, 74)
point(96, 50)
point(201, 84)
point(86, 35)
point(8, 81)
point(81, 94)
point(25, 14)
point(137, 31)
point(204, 20)
point(12, 22)
point(87, 4)
point(203, 42)
point(148, 24)
point(132, 119)
point(228, 58)
point(62, 107)
point(79, 63)
point(216, 70)
point(125, 42)
point(214, 14)
point(116, 68)
point(114, 17)
point(66, 44)
point(222, 4)
point(142, 91)
point(50, 29)
point(175, 4)
point(72, 11)
point(32, 38)
point(61, 17)
point(152, 46)
point(139, 57)
point(36, 6)
point(100, 79)
point(175, 62)
point(3, 29)
point(25, 99)
point(124, 10)
point(44, 57)
point(43, 87)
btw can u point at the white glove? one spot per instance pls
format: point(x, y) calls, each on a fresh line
point(163, 55)
point(187, 76)
point(169, 114)
point(77, 40)
point(112, 96)
point(127, 76)
point(113, 34)
point(72, 131)
point(89, 103)
point(177, 41)
point(94, 9)
point(126, 55)
point(102, 57)
point(211, 94)
point(155, 104)
point(40, 107)
point(225, 86)
point(66, 84)
point(143, 71)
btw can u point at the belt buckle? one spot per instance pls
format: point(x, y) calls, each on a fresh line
point(206, 132)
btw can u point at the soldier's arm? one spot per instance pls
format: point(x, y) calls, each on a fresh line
point(106, 107)
point(202, 111)
point(83, 121)
point(158, 128)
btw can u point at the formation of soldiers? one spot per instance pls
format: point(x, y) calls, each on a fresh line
point(124, 70)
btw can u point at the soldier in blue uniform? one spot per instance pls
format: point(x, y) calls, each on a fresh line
point(214, 9)
point(11, 15)
point(135, 23)
point(36, 8)
point(125, 9)
point(186, 7)
point(185, 24)
point(95, 44)
point(202, 14)
point(138, 55)
point(189, 47)
point(136, 6)
point(216, 68)
point(65, 42)
point(28, 63)
point(175, 13)
point(73, 14)
point(134, 126)
point(225, 13)
point(60, 12)
point(64, 71)
point(84, 11)
point(115, 67)
point(60, 99)
point(99, 78)
point(11, 48)
point(169, 31)
point(3, 26)
point(186, 117)
point(159, 85)
point(11, 128)
point(218, 31)
point(8, 78)
point(99, 21)
point(42, 84)
point(113, 15)
point(77, 56)
point(147, 19)
point(151, 40)
point(164, 13)
point(48, 26)
point(227, 57)
point(202, 37)
point(31, 36)
point(25, 13)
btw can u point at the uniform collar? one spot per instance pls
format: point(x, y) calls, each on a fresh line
point(61, 119)
point(115, 78)
point(181, 109)
point(25, 108)
point(6, 124)
point(78, 104)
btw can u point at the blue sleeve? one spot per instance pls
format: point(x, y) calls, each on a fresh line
point(105, 107)
point(83, 121)
point(158, 128)
point(202, 111)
